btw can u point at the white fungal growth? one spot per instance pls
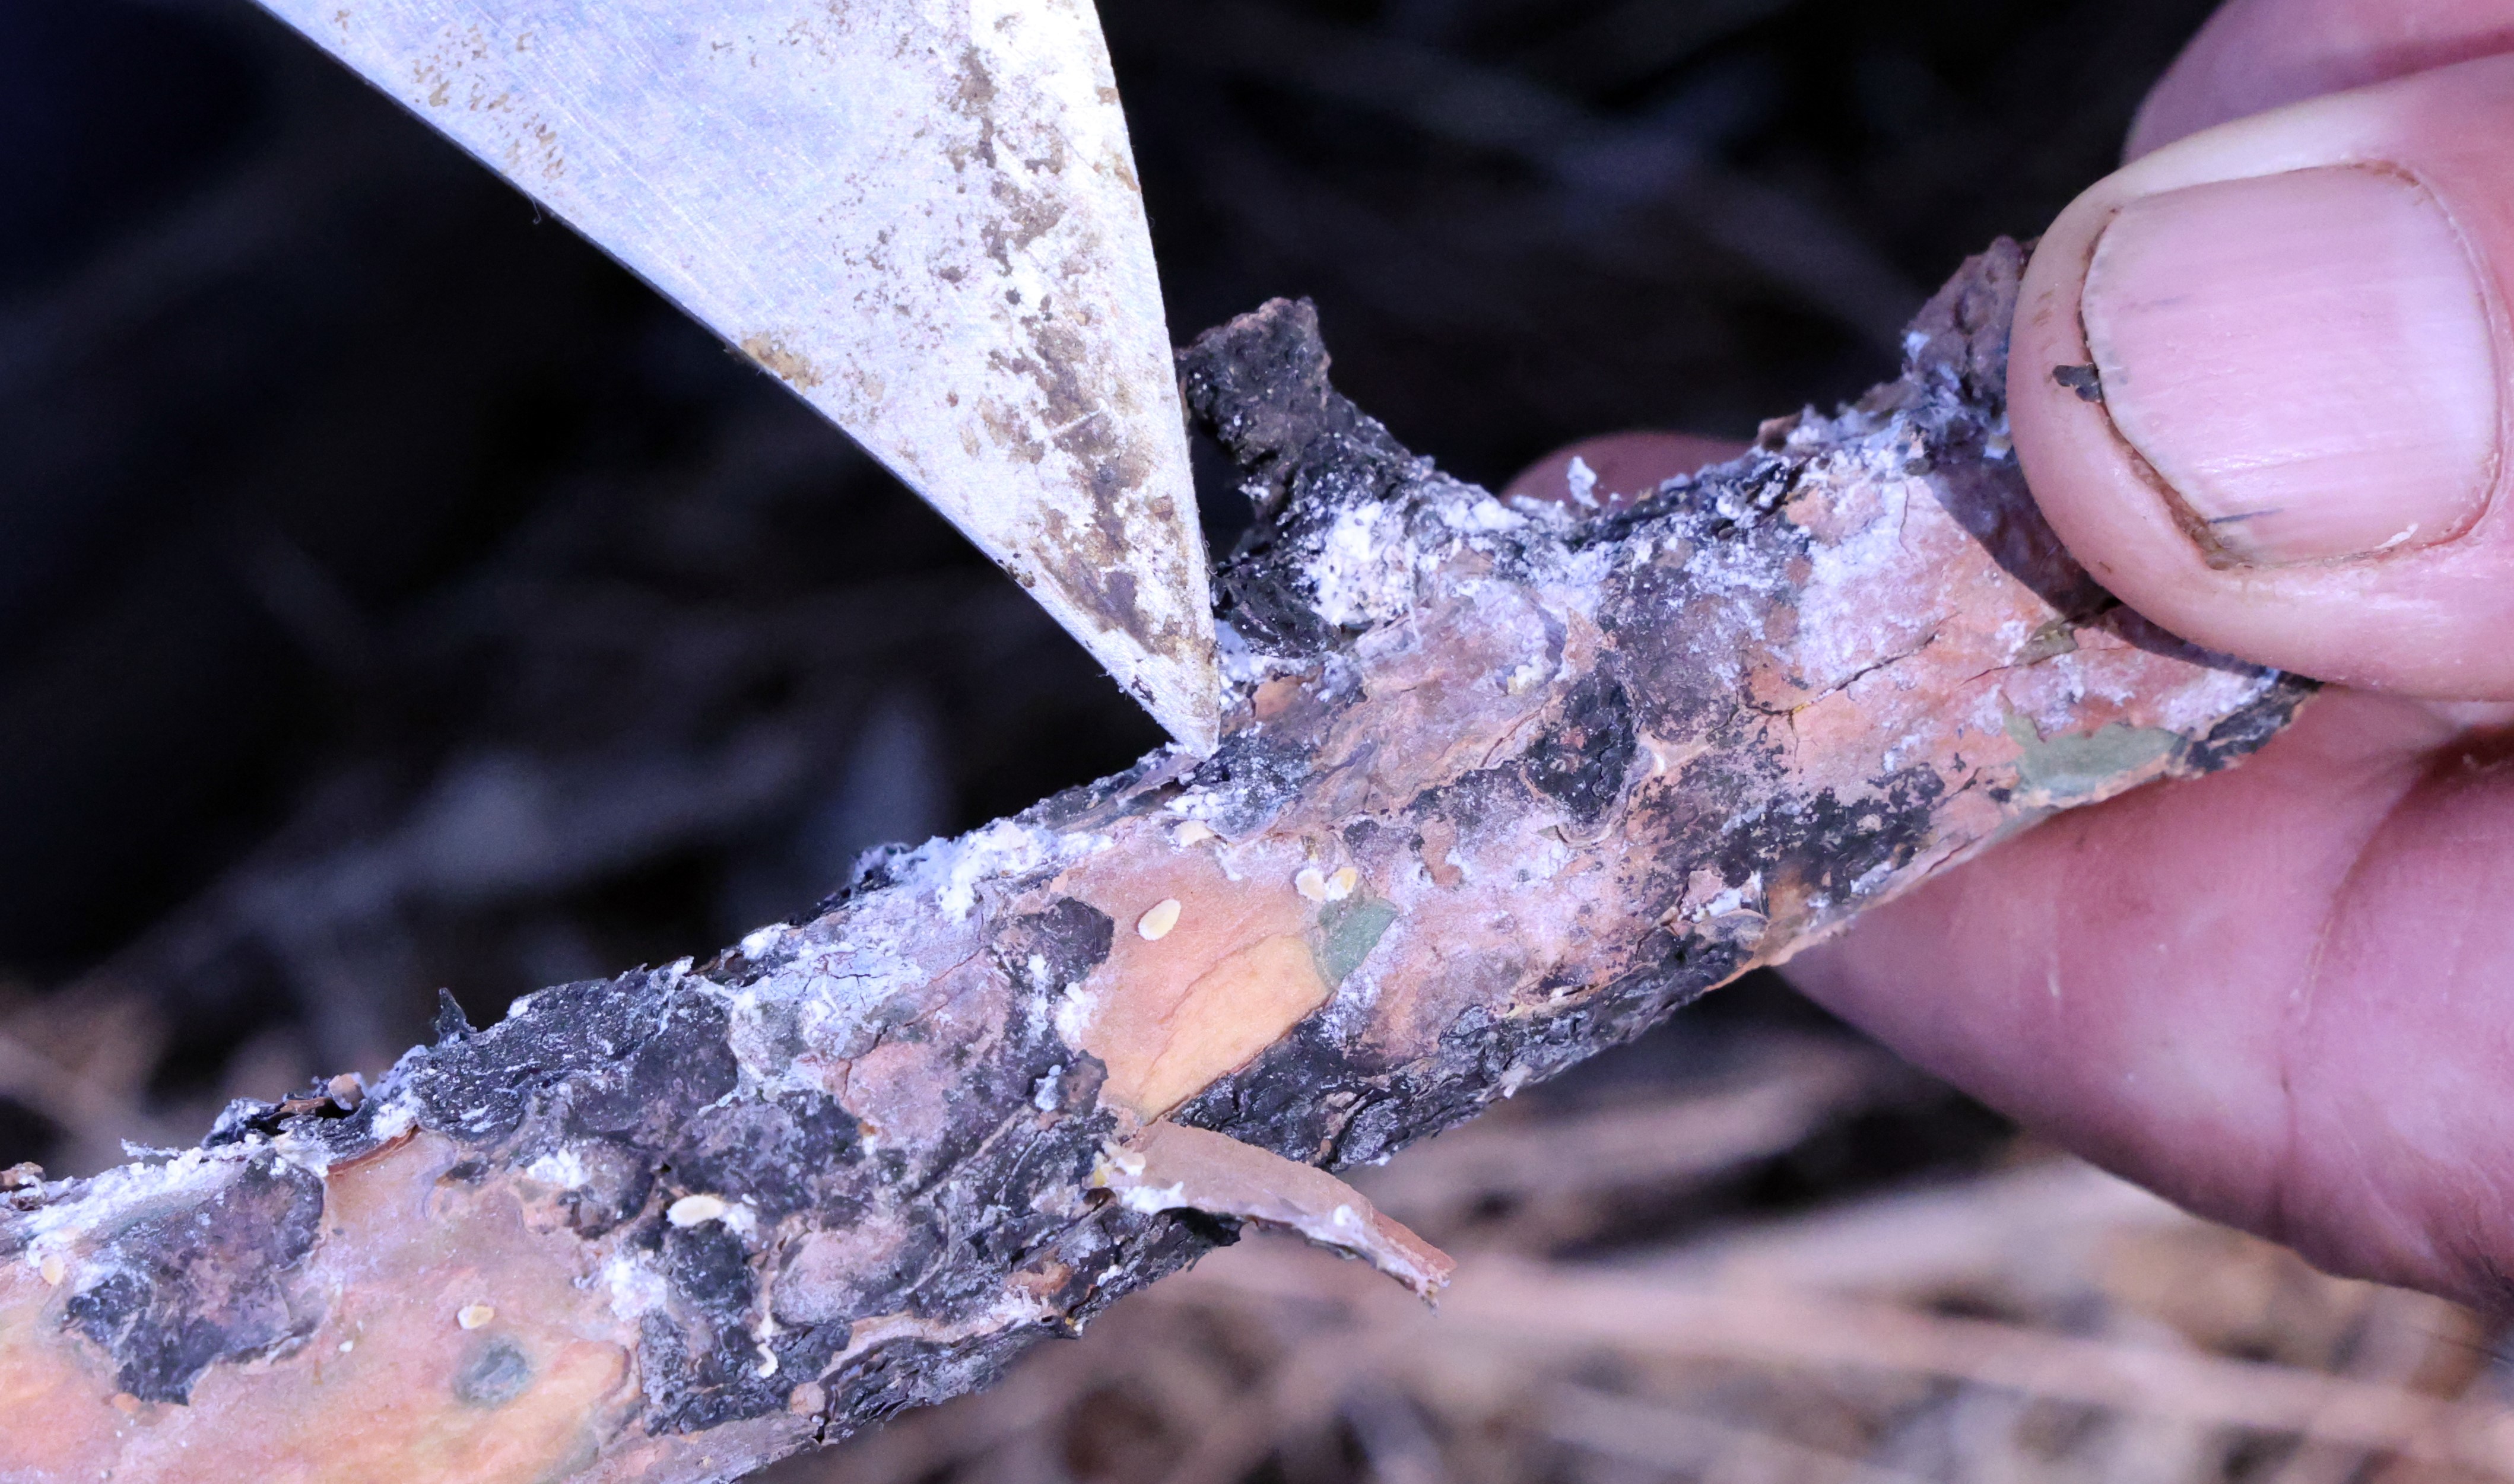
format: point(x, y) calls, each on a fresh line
point(1365, 571)
point(1582, 482)
point(1075, 1008)
point(637, 1290)
point(394, 1119)
point(1005, 848)
point(1311, 882)
point(1480, 517)
point(560, 1169)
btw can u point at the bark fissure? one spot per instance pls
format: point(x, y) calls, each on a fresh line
point(1502, 786)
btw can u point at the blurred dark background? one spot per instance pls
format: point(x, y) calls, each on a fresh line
point(394, 594)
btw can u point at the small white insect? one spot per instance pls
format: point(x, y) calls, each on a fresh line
point(695, 1210)
point(1156, 923)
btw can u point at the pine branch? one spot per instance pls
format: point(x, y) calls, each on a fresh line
point(1503, 787)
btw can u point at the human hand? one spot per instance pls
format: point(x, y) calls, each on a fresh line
point(2282, 996)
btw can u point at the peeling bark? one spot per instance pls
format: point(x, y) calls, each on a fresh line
point(1501, 786)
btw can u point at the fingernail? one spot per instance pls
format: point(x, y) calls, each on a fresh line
point(2303, 357)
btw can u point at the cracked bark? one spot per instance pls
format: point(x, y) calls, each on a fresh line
point(1502, 786)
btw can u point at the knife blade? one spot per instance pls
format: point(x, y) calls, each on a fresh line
point(921, 215)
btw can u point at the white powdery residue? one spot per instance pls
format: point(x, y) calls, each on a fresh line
point(394, 1119)
point(1481, 517)
point(2053, 708)
point(2104, 682)
point(1732, 899)
point(2194, 708)
point(1039, 999)
point(1582, 481)
point(1227, 855)
point(1198, 804)
point(1239, 662)
point(637, 1290)
point(1364, 572)
point(561, 1169)
point(303, 1153)
point(1813, 429)
point(1872, 878)
point(757, 943)
point(1006, 848)
point(844, 1000)
point(1848, 621)
point(1989, 714)
point(1076, 1010)
point(1152, 1200)
point(762, 1018)
point(1348, 1012)
point(120, 1193)
point(1729, 567)
point(1545, 859)
point(1048, 1095)
point(1573, 579)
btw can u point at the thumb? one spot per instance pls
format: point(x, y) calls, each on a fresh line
point(2257, 383)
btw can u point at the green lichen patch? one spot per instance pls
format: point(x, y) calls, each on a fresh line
point(1347, 933)
point(2076, 765)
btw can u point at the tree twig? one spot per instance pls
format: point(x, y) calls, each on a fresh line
point(1503, 787)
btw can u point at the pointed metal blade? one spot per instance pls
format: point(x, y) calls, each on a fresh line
point(921, 215)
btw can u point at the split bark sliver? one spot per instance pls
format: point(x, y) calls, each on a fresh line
point(1503, 787)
